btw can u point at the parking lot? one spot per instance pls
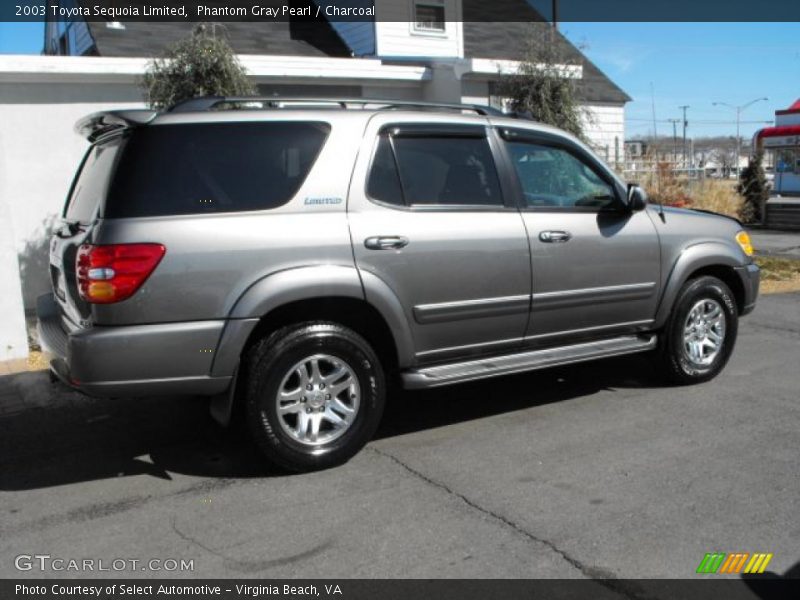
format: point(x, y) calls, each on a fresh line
point(587, 471)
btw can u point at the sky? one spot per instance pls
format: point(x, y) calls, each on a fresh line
point(21, 38)
point(696, 64)
point(692, 64)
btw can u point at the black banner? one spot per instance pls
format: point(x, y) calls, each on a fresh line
point(349, 589)
point(394, 10)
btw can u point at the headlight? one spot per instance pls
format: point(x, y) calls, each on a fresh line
point(744, 241)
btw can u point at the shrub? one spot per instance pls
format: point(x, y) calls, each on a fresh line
point(201, 64)
point(540, 87)
point(753, 186)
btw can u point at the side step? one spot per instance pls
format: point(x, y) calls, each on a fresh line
point(525, 361)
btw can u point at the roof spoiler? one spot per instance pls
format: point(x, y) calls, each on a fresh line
point(99, 124)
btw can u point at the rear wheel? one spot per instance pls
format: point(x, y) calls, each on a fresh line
point(701, 333)
point(314, 395)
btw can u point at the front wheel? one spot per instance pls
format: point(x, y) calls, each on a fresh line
point(701, 333)
point(314, 395)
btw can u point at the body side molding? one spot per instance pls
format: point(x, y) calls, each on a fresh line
point(471, 309)
point(614, 293)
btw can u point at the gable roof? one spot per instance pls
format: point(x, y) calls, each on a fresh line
point(507, 41)
point(794, 108)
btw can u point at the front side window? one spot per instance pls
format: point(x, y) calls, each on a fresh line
point(445, 171)
point(552, 177)
point(429, 16)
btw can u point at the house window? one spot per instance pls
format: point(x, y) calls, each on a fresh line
point(429, 16)
point(785, 162)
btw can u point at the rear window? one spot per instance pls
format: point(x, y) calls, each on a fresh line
point(91, 183)
point(212, 167)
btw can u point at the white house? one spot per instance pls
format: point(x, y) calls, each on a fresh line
point(412, 50)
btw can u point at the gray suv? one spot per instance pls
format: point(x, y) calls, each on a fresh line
point(290, 258)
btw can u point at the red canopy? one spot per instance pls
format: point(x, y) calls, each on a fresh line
point(781, 131)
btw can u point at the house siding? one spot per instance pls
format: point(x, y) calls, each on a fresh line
point(604, 125)
point(396, 36)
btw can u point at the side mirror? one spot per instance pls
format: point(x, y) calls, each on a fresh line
point(637, 198)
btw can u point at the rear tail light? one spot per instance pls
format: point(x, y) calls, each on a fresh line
point(114, 272)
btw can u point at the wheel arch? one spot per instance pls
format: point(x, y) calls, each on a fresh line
point(708, 258)
point(325, 292)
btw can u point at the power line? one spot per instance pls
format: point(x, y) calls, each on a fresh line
point(698, 122)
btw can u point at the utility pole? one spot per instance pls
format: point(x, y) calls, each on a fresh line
point(685, 125)
point(674, 139)
point(739, 110)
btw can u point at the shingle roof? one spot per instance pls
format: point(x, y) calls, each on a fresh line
point(149, 39)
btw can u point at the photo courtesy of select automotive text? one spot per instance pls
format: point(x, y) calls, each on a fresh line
point(400, 299)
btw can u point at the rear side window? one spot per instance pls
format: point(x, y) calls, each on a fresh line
point(213, 167)
point(431, 170)
point(384, 182)
point(91, 183)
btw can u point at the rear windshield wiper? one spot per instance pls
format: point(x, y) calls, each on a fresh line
point(69, 229)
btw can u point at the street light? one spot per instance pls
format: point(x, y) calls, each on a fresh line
point(738, 110)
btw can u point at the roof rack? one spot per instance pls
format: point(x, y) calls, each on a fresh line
point(207, 103)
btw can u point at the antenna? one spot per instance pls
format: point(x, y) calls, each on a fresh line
point(655, 137)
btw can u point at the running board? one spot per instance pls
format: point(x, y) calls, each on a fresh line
point(495, 366)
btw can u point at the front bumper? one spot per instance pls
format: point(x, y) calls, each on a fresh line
point(171, 358)
point(750, 276)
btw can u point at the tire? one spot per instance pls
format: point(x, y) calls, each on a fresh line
point(323, 417)
point(685, 355)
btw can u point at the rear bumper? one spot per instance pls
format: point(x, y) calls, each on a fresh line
point(750, 276)
point(172, 358)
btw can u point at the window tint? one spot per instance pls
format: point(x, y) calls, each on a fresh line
point(90, 185)
point(213, 167)
point(435, 171)
point(553, 177)
point(384, 183)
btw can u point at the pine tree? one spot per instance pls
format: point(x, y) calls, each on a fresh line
point(201, 64)
point(541, 86)
point(753, 186)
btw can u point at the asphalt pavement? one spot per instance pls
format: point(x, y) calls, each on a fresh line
point(588, 471)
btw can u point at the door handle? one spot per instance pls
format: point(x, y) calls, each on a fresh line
point(555, 237)
point(386, 242)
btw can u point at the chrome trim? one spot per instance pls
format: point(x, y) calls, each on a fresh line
point(590, 329)
point(566, 298)
point(471, 309)
point(519, 362)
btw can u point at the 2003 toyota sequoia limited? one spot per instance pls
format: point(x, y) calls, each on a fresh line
point(289, 257)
